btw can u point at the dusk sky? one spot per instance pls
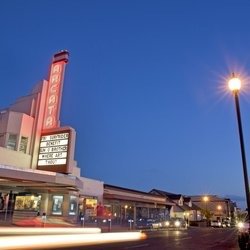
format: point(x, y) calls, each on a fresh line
point(145, 87)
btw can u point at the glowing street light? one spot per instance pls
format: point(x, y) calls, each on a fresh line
point(234, 85)
point(219, 207)
point(205, 199)
point(125, 214)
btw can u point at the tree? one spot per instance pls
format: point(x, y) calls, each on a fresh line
point(208, 214)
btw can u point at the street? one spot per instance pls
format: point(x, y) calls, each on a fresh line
point(193, 238)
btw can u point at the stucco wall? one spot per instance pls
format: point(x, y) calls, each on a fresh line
point(92, 188)
point(14, 158)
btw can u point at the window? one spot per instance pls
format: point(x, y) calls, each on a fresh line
point(57, 204)
point(23, 144)
point(90, 207)
point(11, 144)
point(1, 139)
point(27, 202)
point(72, 205)
point(180, 203)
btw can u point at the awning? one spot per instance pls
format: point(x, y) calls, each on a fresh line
point(32, 178)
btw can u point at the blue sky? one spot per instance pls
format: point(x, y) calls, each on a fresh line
point(145, 86)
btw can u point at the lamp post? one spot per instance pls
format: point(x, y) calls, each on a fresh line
point(125, 214)
point(186, 218)
point(205, 199)
point(219, 208)
point(235, 85)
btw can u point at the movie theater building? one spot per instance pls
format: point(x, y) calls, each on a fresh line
point(38, 172)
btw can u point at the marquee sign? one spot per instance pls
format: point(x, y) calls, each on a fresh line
point(54, 151)
point(54, 93)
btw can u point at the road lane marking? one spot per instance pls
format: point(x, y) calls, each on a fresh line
point(186, 238)
point(137, 246)
point(180, 239)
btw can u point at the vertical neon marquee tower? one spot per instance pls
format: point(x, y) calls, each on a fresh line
point(54, 93)
point(56, 150)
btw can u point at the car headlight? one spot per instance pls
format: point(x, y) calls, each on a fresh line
point(167, 223)
point(177, 223)
point(240, 225)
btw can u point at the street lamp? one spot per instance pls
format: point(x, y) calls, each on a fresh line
point(219, 208)
point(206, 199)
point(125, 214)
point(234, 85)
point(186, 218)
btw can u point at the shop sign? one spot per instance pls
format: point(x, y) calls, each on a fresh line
point(54, 151)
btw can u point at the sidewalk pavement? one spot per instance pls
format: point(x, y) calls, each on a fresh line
point(36, 222)
point(53, 222)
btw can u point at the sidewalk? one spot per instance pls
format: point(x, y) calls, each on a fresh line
point(53, 222)
point(37, 222)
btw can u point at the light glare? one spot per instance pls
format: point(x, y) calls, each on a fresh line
point(47, 230)
point(205, 198)
point(234, 84)
point(240, 225)
point(177, 223)
point(65, 240)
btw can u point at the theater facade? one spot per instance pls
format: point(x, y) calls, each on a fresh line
point(38, 172)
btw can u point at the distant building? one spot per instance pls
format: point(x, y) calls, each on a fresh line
point(183, 206)
point(124, 204)
point(220, 208)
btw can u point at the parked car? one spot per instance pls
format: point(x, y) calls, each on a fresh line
point(172, 223)
point(226, 223)
point(215, 223)
point(144, 223)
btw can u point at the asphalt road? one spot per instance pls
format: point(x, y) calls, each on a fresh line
point(193, 239)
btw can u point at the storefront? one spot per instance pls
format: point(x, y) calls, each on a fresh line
point(90, 199)
point(34, 192)
point(124, 205)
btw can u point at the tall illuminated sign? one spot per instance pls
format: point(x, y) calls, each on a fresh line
point(54, 93)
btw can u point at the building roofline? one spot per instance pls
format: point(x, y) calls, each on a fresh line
point(133, 191)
